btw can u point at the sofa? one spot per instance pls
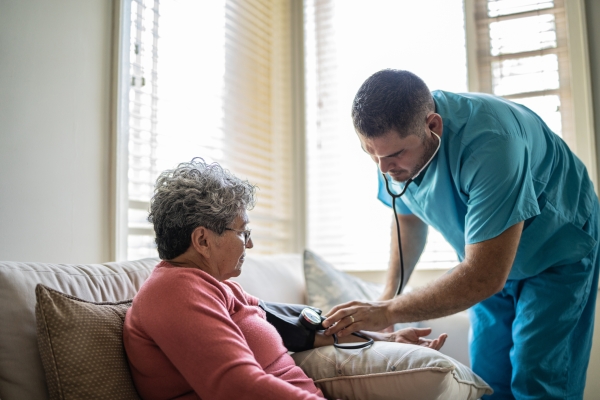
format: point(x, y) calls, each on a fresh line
point(277, 278)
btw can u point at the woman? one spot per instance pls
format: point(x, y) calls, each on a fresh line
point(190, 332)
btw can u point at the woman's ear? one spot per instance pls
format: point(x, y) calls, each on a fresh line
point(202, 240)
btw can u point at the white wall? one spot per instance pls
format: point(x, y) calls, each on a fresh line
point(55, 59)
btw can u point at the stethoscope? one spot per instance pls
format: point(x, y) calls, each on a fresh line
point(311, 319)
point(397, 196)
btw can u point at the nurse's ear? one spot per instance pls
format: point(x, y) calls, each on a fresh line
point(435, 123)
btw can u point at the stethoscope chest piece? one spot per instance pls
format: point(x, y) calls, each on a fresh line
point(311, 319)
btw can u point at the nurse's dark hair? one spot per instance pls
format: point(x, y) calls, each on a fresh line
point(192, 195)
point(391, 99)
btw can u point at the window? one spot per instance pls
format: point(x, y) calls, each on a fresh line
point(347, 41)
point(535, 52)
point(223, 79)
point(523, 56)
point(212, 79)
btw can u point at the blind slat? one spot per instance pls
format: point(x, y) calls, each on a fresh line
point(251, 136)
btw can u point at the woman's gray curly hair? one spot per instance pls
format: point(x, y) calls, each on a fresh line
point(192, 195)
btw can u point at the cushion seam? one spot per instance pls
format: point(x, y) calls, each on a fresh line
point(324, 357)
point(386, 374)
point(472, 383)
point(102, 303)
point(111, 273)
point(52, 351)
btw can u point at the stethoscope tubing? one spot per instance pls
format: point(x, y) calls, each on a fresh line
point(400, 255)
point(397, 196)
point(354, 345)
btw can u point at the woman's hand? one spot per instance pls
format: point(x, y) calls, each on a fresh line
point(410, 336)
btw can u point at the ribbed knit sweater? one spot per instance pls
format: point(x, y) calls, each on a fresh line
point(189, 336)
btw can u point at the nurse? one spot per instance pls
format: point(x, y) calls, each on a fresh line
point(519, 209)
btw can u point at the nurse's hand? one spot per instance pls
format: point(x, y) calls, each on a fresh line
point(357, 315)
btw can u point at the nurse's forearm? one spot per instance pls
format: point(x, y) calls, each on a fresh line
point(413, 233)
point(449, 294)
point(482, 274)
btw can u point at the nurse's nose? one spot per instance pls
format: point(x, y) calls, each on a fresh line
point(385, 164)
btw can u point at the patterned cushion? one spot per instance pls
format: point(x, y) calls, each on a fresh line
point(327, 287)
point(388, 370)
point(81, 347)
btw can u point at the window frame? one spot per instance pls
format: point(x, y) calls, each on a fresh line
point(119, 135)
point(582, 138)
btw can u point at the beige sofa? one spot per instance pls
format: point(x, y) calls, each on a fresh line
point(273, 278)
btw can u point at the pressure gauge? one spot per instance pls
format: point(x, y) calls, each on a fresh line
point(311, 319)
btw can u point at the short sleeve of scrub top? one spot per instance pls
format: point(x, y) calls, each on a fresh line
point(496, 178)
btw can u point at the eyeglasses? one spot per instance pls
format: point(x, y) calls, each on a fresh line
point(246, 234)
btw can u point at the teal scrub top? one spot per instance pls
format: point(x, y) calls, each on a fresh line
point(499, 164)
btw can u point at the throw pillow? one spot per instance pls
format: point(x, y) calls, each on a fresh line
point(81, 346)
point(388, 370)
point(327, 286)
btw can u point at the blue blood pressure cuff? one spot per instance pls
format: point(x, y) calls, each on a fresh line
point(295, 323)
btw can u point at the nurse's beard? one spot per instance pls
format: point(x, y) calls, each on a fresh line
point(430, 148)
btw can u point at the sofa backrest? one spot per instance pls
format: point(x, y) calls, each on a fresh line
point(274, 278)
point(21, 372)
point(278, 278)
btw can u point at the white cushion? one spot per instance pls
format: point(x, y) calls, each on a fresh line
point(390, 371)
point(326, 286)
point(277, 278)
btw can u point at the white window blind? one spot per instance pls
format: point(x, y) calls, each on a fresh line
point(346, 42)
point(523, 56)
point(212, 79)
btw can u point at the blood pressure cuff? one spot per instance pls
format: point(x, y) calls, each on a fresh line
point(286, 319)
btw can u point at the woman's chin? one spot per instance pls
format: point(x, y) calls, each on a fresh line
point(238, 269)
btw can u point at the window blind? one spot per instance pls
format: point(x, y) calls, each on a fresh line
point(212, 79)
point(345, 42)
point(143, 132)
point(523, 56)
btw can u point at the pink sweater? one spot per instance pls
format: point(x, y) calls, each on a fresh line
point(190, 336)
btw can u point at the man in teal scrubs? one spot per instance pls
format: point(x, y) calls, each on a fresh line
point(519, 209)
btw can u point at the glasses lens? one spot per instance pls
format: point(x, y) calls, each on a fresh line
point(247, 236)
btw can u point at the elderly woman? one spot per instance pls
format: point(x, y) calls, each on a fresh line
point(190, 332)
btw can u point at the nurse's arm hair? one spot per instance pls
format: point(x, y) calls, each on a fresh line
point(482, 274)
point(413, 233)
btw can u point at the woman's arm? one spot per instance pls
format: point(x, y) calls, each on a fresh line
point(189, 321)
